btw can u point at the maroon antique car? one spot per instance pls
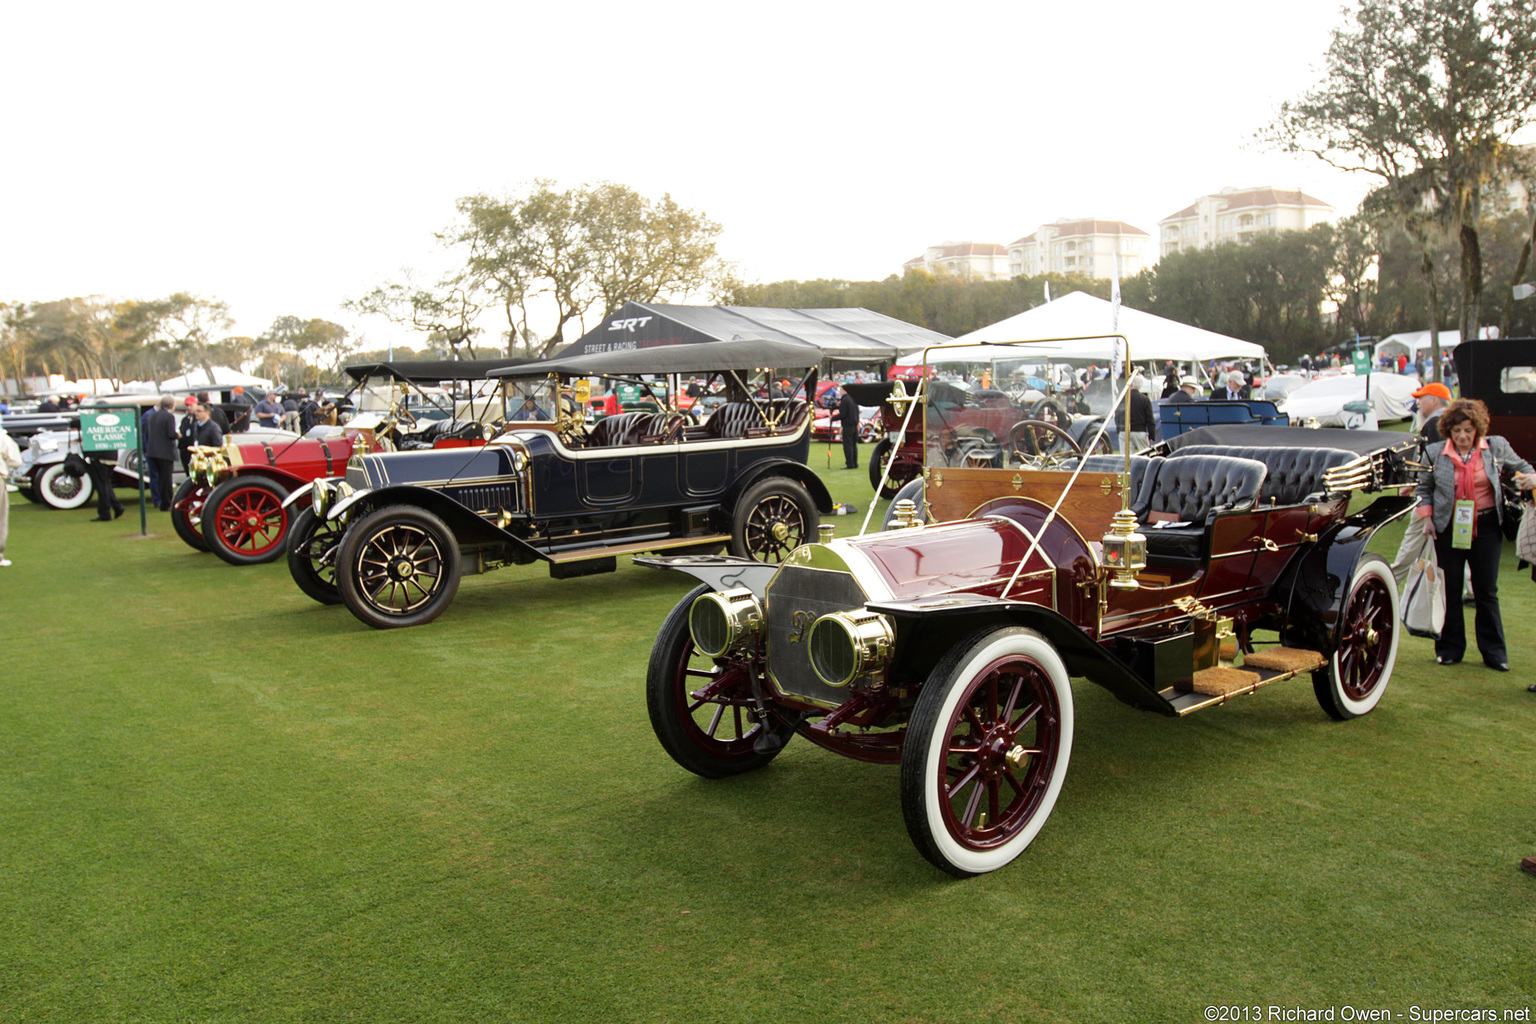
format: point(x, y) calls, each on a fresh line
point(1227, 561)
point(232, 501)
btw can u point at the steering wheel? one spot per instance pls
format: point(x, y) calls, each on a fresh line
point(400, 412)
point(673, 426)
point(1040, 444)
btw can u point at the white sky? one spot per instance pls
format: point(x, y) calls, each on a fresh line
point(287, 156)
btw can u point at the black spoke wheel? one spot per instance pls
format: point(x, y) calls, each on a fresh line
point(187, 513)
point(883, 453)
point(772, 518)
point(398, 566)
point(986, 750)
point(1351, 684)
point(312, 547)
point(702, 710)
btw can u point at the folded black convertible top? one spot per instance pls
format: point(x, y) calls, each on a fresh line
point(1252, 435)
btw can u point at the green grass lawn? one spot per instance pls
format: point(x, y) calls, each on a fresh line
point(221, 801)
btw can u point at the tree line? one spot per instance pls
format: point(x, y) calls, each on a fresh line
point(129, 339)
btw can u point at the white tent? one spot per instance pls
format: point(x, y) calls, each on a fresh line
point(223, 377)
point(1416, 343)
point(1082, 315)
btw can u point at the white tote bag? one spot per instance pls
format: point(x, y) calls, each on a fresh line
point(1525, 537)
point(1423, 600)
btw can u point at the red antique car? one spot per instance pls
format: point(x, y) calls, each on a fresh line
point(1227, 561)
point(232, 501)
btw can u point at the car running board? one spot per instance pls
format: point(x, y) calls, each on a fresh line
point(1219, 685)
point(664, 544)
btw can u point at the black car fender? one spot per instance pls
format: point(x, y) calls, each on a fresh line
point(1311, 590)
point(796, 471)
point(469, 529)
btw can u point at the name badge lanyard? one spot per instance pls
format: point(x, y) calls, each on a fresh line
point(1464, 516)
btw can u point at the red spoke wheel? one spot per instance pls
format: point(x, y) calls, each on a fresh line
point(187, 513)
point(244, 521)
point(987, 750)
point(398, 566)
point(774, 517)
point(1360, 666)
point(701, 709)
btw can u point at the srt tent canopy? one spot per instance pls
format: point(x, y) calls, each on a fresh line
point(847, 335)
point(1080, 315)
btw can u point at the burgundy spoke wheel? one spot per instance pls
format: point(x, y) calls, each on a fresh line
point(1360, 666)
point(773, 518)
point(244, 521)
point(702, 709)
point(987, 750)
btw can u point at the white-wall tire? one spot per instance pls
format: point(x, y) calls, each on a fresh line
point(997, 690)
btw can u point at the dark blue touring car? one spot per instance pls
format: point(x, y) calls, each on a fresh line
point(392, 538)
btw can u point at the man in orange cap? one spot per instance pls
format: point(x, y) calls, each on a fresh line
point(1433, 398)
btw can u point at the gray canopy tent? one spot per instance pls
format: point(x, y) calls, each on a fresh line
point(844, 336)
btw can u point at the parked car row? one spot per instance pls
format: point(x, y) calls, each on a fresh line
point(1018, 554)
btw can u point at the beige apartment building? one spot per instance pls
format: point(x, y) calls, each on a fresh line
point(973, 261)
point(1080, 246)
point(1237, 214)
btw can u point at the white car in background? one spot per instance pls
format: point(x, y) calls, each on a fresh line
point(1324, 401)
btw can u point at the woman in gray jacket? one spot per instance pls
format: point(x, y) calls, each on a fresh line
point(1460, 495)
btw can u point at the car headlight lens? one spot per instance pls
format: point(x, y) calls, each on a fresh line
point(319, 497)
point(724, 621)
point(47, 446)
point(846, 645)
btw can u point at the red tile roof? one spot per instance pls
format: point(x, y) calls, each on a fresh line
point(1096, 227)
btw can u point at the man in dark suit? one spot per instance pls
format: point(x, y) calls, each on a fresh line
point(1189, 391)
point(848, 415)
point(1235, 389)
point(184, 431)
point(160, 449)
point(206, 432)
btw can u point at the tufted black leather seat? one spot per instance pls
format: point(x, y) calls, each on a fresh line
point(1295, 475)
point(1194, 488)
point(626, 428)
point(734, 419)
point(1142, 472)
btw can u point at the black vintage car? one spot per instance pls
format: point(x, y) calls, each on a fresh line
point(393, 537)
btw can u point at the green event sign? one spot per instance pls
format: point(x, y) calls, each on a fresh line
point(1362, 361)
point(108, 431)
